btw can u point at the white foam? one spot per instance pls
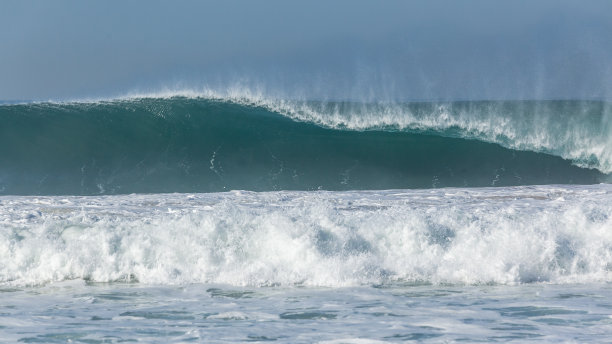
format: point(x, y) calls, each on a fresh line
point(559, 234)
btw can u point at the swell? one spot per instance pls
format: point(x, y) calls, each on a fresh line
point(204, 145)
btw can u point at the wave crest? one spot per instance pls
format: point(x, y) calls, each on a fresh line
point(580, 131)
point(179, 144)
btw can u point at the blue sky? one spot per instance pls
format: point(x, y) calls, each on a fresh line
point(369, 50)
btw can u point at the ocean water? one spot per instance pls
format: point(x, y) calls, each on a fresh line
point(114, 313)
point(235, 218)
point(242, 142)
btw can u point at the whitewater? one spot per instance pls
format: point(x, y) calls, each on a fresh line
point(207, 217)
point(554, 234)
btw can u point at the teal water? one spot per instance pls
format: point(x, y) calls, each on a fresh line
point(152, 145)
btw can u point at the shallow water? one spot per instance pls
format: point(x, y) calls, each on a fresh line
point(111, 313)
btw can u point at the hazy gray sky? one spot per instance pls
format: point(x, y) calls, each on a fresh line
point(313, 49)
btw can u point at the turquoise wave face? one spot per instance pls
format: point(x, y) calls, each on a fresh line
point(206, 145)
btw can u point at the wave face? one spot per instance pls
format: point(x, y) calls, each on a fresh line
point(455, 235)
point(180, 144)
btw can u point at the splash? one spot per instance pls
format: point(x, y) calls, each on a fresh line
point(557, 234)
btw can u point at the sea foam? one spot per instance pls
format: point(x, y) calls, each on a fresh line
point(557, 234)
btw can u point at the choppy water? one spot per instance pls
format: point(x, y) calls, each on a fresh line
point(112, 313)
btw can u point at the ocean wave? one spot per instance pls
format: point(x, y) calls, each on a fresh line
point(552, 234)
point(580, 131)
point(196, 144)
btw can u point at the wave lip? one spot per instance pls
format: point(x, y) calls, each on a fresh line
point(554, 234)
point(577, 130)
point(154, 145)
point(580, 131)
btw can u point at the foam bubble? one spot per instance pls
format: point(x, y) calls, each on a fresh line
point(559, 234)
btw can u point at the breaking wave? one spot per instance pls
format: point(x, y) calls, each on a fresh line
point(557, 234)
point(209, 142)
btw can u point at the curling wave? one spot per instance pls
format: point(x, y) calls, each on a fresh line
point(205, 144)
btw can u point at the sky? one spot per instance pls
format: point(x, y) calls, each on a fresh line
point(363, 50)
